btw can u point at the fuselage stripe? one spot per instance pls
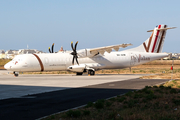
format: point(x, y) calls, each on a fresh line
point(40, 62)
point(156, 38)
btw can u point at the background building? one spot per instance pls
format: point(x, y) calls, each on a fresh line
point(2, 54)
point(10, 54)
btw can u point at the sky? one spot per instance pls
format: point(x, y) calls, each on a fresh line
point(93, 23)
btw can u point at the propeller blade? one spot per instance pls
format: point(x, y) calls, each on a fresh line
point(49, 50)
point(72, 46)
point(73, 60)
point(52, 48)
point(74, 53)
point(76, 45)
point(77, 60)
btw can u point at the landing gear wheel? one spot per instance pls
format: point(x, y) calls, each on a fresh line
point(16, 74)
point(79, 73)
point(91, 72)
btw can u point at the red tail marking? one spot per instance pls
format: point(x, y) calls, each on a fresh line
point(162, 37)
point(156, 38)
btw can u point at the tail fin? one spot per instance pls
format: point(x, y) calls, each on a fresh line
point(154, 44)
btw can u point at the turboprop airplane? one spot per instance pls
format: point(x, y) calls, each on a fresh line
point(91, 60)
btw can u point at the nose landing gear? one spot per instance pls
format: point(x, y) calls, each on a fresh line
point(16, 74)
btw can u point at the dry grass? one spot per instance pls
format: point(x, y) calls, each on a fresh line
point(161, 69)
point(3, 62)
point(173, 84)
point(150, 103)
point(163, 62)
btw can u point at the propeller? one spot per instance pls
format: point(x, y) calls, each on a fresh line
point(51, 50)
point(74, 53)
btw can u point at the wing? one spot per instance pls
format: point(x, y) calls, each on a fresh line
point(108, 48)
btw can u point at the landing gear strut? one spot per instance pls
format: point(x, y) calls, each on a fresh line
point(16, 74)
point(91, 72)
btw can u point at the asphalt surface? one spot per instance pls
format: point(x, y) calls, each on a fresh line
point(15, 87)
point(30, 107)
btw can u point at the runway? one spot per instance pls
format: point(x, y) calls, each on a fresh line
point(34, 96)
point(15, 87)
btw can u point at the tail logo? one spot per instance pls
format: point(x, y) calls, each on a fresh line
point(135, 59)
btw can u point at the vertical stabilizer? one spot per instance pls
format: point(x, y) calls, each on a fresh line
point(154, 44)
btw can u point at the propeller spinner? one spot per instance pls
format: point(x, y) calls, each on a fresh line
point(51, 50)
point(74, 53)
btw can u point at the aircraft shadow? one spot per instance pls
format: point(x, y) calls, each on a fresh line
point(35, 106)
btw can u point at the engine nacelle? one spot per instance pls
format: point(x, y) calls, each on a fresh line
point(77, 68)
point(85, 53)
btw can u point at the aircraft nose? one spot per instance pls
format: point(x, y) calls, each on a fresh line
point(7, 66)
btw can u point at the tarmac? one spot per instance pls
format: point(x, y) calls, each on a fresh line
point(34, 96)
point(14, 87)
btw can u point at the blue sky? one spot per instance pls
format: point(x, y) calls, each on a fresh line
point(94, 23)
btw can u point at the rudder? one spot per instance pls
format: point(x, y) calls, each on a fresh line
point(154, 44)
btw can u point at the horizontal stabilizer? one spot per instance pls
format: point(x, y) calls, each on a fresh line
point(162, 29)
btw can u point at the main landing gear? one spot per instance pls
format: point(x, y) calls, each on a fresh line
point(91, 72)
point(16, 74)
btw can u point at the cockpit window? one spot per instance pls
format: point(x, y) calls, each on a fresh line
point(157, 26)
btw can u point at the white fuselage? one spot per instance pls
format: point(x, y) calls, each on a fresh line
point(61, 61)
